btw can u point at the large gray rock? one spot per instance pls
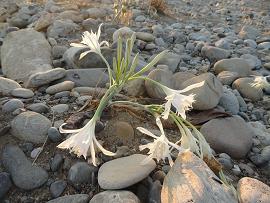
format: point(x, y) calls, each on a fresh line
point(23, 174)
point(31, 127)
point(231, 135)
point(78, 198)
point(247, 90)
point(251, 190)
point(206, 96)
point(124, 172)
point(237, 65)
point(7, 85)
point(191, 180)
point(115, 197)
point(90, 77)
point(43, 78)
point(63, 28)
point(24, 53)
point(12, 105)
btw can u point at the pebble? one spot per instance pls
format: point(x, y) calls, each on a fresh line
point(214, 54)
point(56, 162)
point(38, 108)
point(229, 102)
point(82, 172)
point(54, 135)
point(5, 183)
point(22, 93)
point(227, 77)
point(78, 198)
point(251, 190)
point(123, 132)
point(12, 105)
point(60, 108)
point(62, 94)
point(230, 135)
point(124, 172)
point(7, 85)
point(24, 175)
point(30, 127)
point(115, 196)
point(63, 86)
point(46, 77)
point(147, 37)
point(36, 152)
point(57, 188)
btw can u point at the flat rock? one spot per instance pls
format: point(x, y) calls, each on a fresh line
point(231, 135)
point(7, 85)
point(78, 198)
point(60, 108)
point(31, 50)
point(244, 86)
point(12, 105)
point(46, 77)
point(22, 93)
point(60, 87)
point(191, 180)
point(124, 172)
point(63, 28)
point(206, 96)
point(251, 190)
point(23, 174)
point(38, 107)
point(90, 77)
point(57, 188)
point(30, 126)
point(115, 196)
point(237, 65)
point(147, 37)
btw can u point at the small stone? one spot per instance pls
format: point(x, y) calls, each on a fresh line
point(7, 85)
point(247, 90)
point(60, 108)
point(36, 152)
point(44, 78)
point(38, 107)
point(226, 163)
point(251, 190)
point(12, 105)
point(54, 135)
point(236, 170)
point(252, 60)
point(62, 28)
point(57, 188)
point(237, 65)
point(24, 175)
point(135, 87)
point(115, 196)
point(123, 131)
point(124, 32)
point(214, 54)
point(249, 32)
point(31, 127)
point(22, 93)
point(81, 173)
point(227, 77)
point(56, 162)
point(147, 37)
point(63, 86)
point(124, 172)
point(229, 102)
point(230, 135)
point(264, 45)
point(5, 183)
point(140, 18)
point(78, 198)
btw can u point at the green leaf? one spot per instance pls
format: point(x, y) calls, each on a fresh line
point(133, 65)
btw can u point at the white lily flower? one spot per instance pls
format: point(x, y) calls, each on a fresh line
point(91, 40)
point(260, 82)
point(160, 148)
point(82, 141)
point(181, 102)
point(188, 141)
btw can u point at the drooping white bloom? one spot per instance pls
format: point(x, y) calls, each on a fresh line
point(260, 82)
point(181, 102)
point(160, 148)
point(82, 141)
point(91, 40)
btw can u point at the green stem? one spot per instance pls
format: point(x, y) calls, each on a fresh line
point(109, 69)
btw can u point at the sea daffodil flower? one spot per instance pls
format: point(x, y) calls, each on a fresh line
point(181, 102)
point(91, 40)
point(160, 148)
point(82, 141)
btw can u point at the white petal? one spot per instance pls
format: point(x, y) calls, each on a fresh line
point(167, 110)
point(78, 45)
point(104, 151)
point(84, 54)
point(104, 42)
point(61, 130)
point(99, 30)
point(145, 131)
point(93, 153)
